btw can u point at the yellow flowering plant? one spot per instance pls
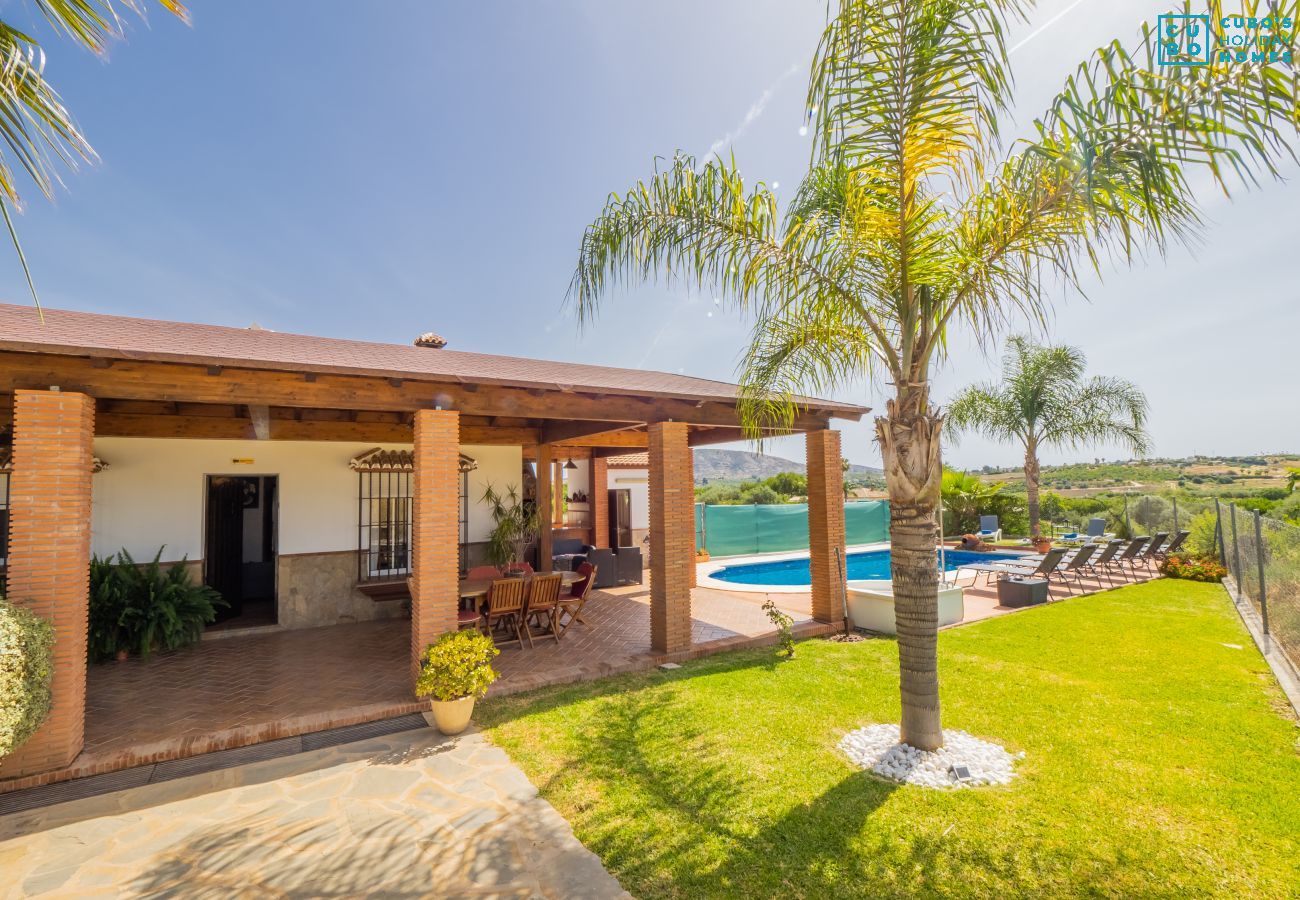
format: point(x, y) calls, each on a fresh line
point(457, 665)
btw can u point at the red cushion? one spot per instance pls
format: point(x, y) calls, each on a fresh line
point(466, 615)
point(586, 570)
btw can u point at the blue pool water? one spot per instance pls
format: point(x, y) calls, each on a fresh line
point(869, 565)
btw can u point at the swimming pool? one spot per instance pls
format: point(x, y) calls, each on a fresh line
point(869, 565)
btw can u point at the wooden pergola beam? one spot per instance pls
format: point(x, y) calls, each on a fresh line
point(175, 382)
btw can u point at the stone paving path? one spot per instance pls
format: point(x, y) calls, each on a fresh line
point(413, 814)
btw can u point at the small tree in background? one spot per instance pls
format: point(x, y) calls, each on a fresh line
point(1044, 400)
point(1149, 511)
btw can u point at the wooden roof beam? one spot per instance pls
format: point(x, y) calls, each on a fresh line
point(140, 380)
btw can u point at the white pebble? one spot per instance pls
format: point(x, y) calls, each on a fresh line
point(877, 748)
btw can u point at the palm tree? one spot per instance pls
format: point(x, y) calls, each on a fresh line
point(911, 220)
point(38, 129)
point(1044, 401)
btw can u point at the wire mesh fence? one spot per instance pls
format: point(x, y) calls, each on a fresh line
point(1263, 557)
point(727, 530)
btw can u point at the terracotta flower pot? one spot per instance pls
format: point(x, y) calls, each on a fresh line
point(1042, 544)
point(452, 716)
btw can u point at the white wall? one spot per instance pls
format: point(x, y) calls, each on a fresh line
point(152, 493)
point(500, 467)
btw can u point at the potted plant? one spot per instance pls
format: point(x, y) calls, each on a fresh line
point(515, 529)
point(1042, 543)
point(456, 670)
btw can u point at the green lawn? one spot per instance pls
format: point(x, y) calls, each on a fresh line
point(1160, 762)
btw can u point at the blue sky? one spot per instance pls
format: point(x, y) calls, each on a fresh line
point(379, 170)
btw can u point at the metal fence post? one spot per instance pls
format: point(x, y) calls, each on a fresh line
point(1128, 526)
point(1259, 556)
point(1218, 533)
point(1175, 516)
point(1236, 550)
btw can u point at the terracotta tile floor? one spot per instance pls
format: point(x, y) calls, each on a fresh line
point(283, 683)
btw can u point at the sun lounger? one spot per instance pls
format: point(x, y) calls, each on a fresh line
point(1097, 533)
point(1126, 556)
point(989, 528)
point(1074, 565)
point(1174, 546)
point(1094, 567)
point(1029, 568)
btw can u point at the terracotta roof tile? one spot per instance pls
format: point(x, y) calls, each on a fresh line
point(120, 337)
point(629, 461)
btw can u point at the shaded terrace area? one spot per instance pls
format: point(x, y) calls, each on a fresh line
point(232, 692)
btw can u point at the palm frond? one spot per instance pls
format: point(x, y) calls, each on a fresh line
point(37, 133)
point(910, 88)
point(1107, 174)
point(95, 23)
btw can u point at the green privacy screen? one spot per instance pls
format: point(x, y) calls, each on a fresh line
point(759, 528)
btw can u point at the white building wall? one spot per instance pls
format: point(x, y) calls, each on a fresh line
point(637, 481)
point(152, 493)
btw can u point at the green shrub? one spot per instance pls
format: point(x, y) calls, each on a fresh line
point(108, 601)
point(1192, 568)
point(458, 664)
point(1203, 540)
point(142, 608)
point(26, 667)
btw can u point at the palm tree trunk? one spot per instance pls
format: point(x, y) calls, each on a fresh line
point(1031, 487)
point(910, 447)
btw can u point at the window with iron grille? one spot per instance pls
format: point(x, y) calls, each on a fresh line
point(385, 510)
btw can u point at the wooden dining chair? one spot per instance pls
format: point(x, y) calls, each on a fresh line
point(571, 606)
point(544, 605)
point(505, 608)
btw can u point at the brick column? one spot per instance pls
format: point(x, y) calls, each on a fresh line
point(545, 501)
point(688, 483)
point(599, 492)
point(435, 530)
point(825, 523)
point(672, 537)
point(49, 557)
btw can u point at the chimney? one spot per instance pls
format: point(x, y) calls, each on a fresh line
point(429, 339)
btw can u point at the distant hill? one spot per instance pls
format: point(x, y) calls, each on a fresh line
point(741, 465)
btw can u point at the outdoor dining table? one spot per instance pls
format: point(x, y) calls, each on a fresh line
point(476, 589)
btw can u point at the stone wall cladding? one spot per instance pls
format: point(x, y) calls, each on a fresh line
point(672, 537)
point(825, 523)
point(321, 589)
point(49, 557)
point(435, 530)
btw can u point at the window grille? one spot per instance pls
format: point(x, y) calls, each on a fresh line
point(385, 511)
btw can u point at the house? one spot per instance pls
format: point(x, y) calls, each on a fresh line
point(319, 480)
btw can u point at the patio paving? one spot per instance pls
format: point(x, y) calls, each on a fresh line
point(411, 815)
point(246, 689)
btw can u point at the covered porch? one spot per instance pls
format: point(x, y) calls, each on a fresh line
point(193, 390)
point(236, 691)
